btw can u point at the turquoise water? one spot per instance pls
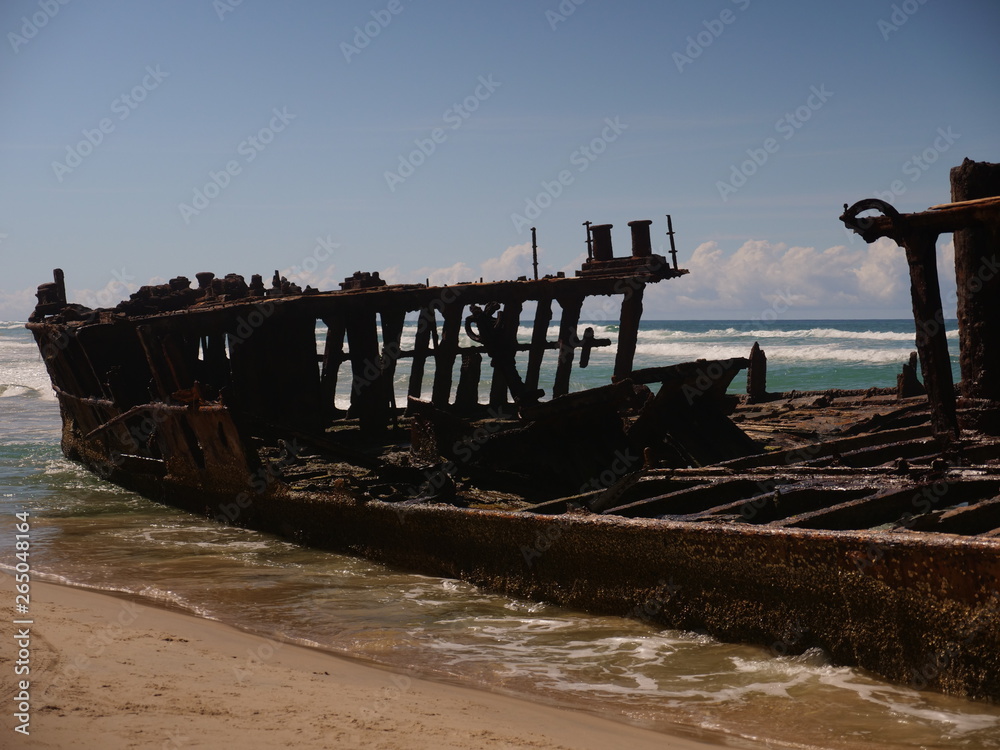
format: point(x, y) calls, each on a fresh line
point(90, 533)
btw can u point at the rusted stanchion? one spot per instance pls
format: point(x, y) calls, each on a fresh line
point(919, 240)
point(539, 339)
point(757, 374)
point(978, 284)
point(333, 357)
point(426, 324)
point(907, 384)
point(467, 394)
point(534, 252)
point(367, 402)
point(567, 343)
point(673, 247)
point(505, 375)
point(628, 330)
point(446, 352)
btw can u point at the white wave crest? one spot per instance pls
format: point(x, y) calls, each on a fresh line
point(685, 352)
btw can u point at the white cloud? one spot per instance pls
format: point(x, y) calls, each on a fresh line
point(761, 278)
point(451, 275)
point(17, 304)
point(513, 262)
point(758, 279)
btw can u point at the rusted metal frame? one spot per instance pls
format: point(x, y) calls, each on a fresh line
point(367, 403)
point(548, 345)
point(917, 234)
point(425, 324)
point(88, 400)
point(568, 341)
point(250, 357)
point(392, 333)
point(292, 367)
point(813, 451)
point(467, 393)
point(628, 329)
point(69, 361)
point(768, 507)
point(216, 361)
point(165, 376)
point(932, 341)
point(899, 504)
point(939, 221)
point(539, 343)
point(137, 410)
point(509, 323)
point(977, 279)
point(106, 352)
point(757, 374)
point(333, 358)
point(977, 518)
point(446, 351)
point(698, 498)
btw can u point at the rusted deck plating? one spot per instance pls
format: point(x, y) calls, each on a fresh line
point(878, 546)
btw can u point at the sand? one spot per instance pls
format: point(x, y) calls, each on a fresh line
point(109, 673)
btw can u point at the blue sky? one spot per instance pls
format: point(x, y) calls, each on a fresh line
point(414, 138)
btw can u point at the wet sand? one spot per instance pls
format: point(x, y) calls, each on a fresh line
point(110, 673)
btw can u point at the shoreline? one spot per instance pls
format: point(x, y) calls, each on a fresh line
point(109, 672)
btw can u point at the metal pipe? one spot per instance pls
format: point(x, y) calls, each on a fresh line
point(670, 234)
point(534, 252)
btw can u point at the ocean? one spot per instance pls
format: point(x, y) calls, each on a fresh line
point(89, 533)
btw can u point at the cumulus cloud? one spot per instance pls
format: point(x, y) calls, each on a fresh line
point(513, 262)
point(118, 288)
point(756, 280)
point(762, 276)
point(17, 305)
point(437, 276)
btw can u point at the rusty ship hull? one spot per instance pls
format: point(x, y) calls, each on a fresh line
point(872, 532)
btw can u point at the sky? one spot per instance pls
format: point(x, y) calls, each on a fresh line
point(145, 140)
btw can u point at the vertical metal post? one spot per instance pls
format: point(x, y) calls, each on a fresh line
point(673, 247)
point(534, 252)
point(590, 246)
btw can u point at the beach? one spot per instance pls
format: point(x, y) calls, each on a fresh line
point(108, 672)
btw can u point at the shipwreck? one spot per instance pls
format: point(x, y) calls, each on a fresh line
point(863, 523)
